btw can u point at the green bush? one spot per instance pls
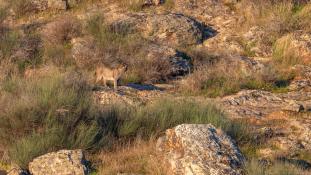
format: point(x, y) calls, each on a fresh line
point(8, 41)
point(3, 14)
point(49, 113)
point(163, 114)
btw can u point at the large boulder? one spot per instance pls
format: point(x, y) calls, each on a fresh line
point(173, 29)
point(197, 149)
point(168, 29)
point(258, 103)
point(63, 162)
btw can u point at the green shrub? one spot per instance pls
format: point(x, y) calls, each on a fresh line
point(49, 113)
point(59, 55)
point(8, 41)
point(163, 114)
point(3, 14)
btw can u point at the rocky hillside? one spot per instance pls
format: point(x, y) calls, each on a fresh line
point(218, 87)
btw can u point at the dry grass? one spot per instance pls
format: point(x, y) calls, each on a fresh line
point(23, 7)
point(56, 36)
point(285, 53)
point(61, 30)
point(224, 77)
point(276, 18)
point(48, 113)
point(132, 5)
point(254, 167)
point(139, 157)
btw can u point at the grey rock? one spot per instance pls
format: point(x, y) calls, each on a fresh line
point(173, 30)
point(192, 149)
point(257, 103)
point(63, 162)
point(165, 29)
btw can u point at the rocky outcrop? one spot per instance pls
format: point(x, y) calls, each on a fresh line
point(84, 51)
point(63, 162)
point(256, 103)
point(303, 80)
point(173, 29)
point(132, 95)
point(168, 29)
point(200, 149)
point(201, 9)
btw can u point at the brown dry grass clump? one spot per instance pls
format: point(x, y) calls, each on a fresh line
point(140, 157)
point(61, 30)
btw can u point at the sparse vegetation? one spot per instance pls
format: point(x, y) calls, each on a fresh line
point(55, 109)
point(62, 30)
point(47, 114)
point(161, 115)
point(23, 7)
point(138, 157)
point(61, 115)
point(220, 78)
point(121, 43)
point(254, 167)
point(132, 5)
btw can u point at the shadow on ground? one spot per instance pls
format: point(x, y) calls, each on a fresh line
point(144, 87)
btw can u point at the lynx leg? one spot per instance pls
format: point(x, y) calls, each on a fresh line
point(105, 82)
point(115, 84)
point(97, 80)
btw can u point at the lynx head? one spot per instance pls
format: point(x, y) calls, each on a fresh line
point(122, 68)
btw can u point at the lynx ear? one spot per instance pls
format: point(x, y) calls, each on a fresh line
point(125, 67)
